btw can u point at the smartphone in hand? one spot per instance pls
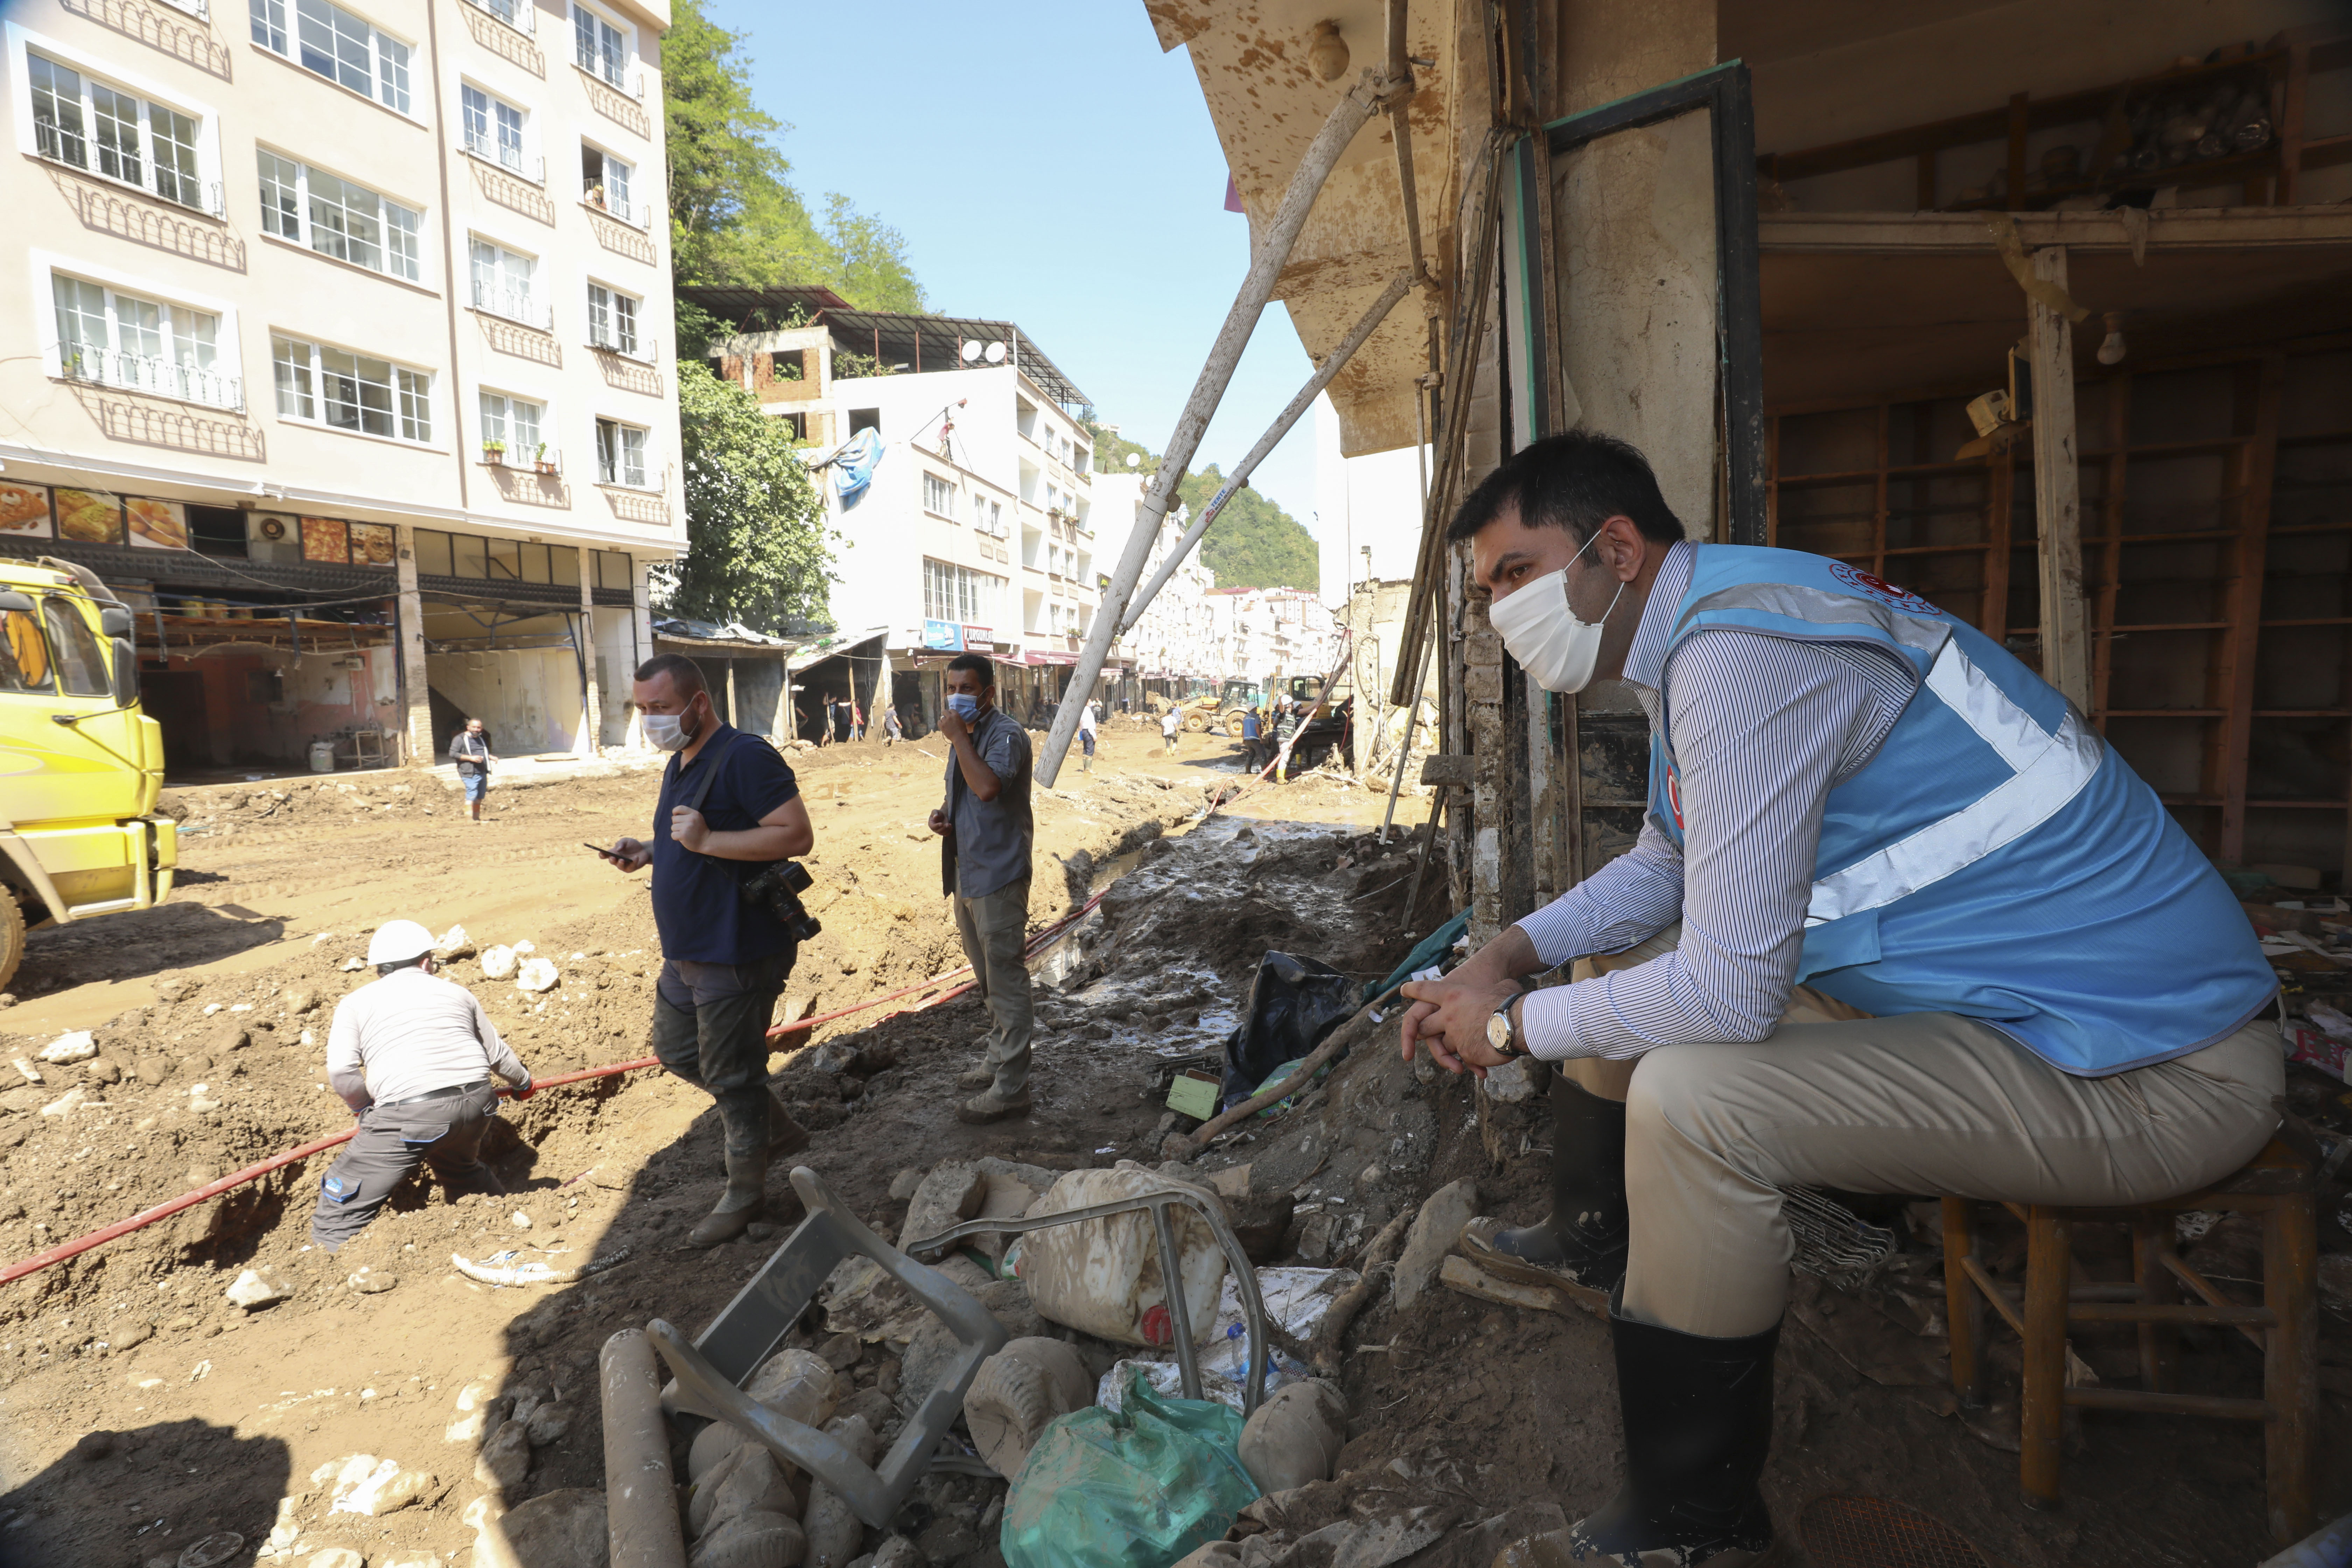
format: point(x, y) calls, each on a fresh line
point(600, 849)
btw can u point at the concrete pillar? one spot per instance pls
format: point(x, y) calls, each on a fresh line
point(415, 705)
point(641, 625)
point(591, 724)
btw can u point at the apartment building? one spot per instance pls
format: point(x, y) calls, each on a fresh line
point(957, 473)
point(337, 348)
point(1177, 637)
point(1273, 633)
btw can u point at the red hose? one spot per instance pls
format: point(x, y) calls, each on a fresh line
point(166, 1209)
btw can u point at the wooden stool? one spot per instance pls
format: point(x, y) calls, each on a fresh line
point(2277, 1184)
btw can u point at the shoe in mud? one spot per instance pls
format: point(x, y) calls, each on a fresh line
point(976, 1077)
point(1546, 1254)
point(991, 1106)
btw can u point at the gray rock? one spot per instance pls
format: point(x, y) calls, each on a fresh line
point(548, 1424)
point(903, 1185)
point(947, 1540)
point(1432, 1235)
point(950, 1194)
point(898, 1551)
point(1511, 1083)
point(558, 1530)
point(505, 1459)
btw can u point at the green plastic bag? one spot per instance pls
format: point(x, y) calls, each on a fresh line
point(1138, 1489)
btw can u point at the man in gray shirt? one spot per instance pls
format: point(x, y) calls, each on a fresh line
point(413, 1055)
point(985, 832)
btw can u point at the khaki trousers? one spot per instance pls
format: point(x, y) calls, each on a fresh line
point(992, 930)
point(1930, 1103)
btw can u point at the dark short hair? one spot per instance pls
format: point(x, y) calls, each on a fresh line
point(684, 675)
point(1577, 481)
point(977, 663)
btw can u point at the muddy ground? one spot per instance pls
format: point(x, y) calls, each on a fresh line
point(142, 1412)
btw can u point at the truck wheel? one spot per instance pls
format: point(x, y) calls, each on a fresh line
point(1195, 723)
point(12, 937)
point(1234, 725)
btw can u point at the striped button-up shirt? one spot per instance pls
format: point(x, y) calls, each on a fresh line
point(1762, 728)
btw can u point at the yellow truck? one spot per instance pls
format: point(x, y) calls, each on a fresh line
point(81, 769)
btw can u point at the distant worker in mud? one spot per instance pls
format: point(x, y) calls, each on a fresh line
point(413, 1055)
point(892, 730)
point(470, 750)
point(986, 833)
point(1935, 936)
point(1088, 720)
point(728, 808)
point(1286, 733)
point(1172, 724)
point(1253, 740)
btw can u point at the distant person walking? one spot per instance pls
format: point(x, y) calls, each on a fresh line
point(470, 750)
point(1286, 731)
point(1087, 720)
point(1253, 740)
point(892, 730)
point(856, 721)
point(841, 711)
point(987, 833)
point(1172, 724)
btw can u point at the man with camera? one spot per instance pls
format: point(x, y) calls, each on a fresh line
point(729, 809)
point(986, 831)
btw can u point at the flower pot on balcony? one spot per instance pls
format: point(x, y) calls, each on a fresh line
point(546, 468)
point(494, 455)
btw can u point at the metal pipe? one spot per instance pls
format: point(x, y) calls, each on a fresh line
point(1400, 118)
point(1265, 444)
point(641, 1521)
point(1412, 718)
point(1179, 1315)
point(1347, 117)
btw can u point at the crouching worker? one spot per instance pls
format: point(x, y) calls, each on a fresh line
point(413, 1055)
point(2048, 995)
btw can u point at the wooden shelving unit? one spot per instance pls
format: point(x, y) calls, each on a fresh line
point(2217, 561)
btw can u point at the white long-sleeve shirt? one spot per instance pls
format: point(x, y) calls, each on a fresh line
point(409, 1034)
point(1762, 727)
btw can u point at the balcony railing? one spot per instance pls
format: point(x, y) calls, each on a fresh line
point(160, 377)
point(630, 81)
point(519, 15)
point(521, 165)
point(647, 350)
point(514, 304)
point(144, 174)
point(637, 214)
point(199, 9)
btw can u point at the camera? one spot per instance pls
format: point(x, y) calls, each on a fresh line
point(777, 888)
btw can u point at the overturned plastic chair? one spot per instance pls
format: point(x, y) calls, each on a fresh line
point(711, 1370)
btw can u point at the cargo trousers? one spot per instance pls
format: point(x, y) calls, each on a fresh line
point(1929, 1104)
point(442, 1130)
point(993, 929)
point(710, 1028)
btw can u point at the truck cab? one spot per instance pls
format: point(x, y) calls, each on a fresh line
point(81, 768)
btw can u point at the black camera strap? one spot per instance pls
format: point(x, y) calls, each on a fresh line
point(709, 774)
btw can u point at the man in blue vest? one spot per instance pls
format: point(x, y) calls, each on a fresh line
point(2043, 992)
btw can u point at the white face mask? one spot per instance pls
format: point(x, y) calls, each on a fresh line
point(668, 731)
point(1556, 649)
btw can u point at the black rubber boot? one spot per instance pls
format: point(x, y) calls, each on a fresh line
point(1698, 1422)
point(1584, 1237)
point(744, 1200)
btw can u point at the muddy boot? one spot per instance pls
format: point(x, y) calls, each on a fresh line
point(1583, 1240)
point(743, 1201)
point(785, 1136)
point(981, 1077)
point(991, 1106)
point(1698, 1421)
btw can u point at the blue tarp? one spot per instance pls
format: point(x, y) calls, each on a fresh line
point(852, 467)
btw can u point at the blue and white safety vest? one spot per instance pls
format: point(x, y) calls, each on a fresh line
point(1995, 858)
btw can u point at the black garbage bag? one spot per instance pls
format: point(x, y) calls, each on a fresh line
point(1293, 1003)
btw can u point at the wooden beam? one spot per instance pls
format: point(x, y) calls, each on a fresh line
point(2257, 462)
point(2190, 229)
point(2057, 490)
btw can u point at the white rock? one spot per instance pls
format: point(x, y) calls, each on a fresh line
point(27, 1070)
point(499, 962)
point(1432, 1236)
point(335, 1557)
point(211, 1008)
point(466, 1429)
point(537, 974)
point(524, 949)
point(63, 1103)
point(310, 1038)
point(522, 1220)
point(352, 964)
point(416, 1557)
point(454, 943)
point(1511, 1082)
point(368, 1282)
point(77, 1046)
point(257, 1287)
point(363, 1484)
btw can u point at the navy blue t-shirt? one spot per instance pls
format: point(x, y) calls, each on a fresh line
point(697, 906)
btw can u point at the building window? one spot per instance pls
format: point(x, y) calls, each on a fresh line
point(139, 345)
point(598, 47)
point(958, 594)
point(866, 419)
point(493, 128)
point(612, 320)
point(620, 454)
point(336, 217)
point(939, 495)
point(513, 422)
point(345, 390)
point(79, 121)
point(604, 182)
point(505, 284)
point(337, 45)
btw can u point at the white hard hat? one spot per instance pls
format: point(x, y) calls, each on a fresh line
point(397, 941)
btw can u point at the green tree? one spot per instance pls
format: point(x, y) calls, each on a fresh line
point(735, 217)
point(756, 540)
point(1254, 543)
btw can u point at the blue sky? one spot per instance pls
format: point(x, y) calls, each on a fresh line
point(1048, 164)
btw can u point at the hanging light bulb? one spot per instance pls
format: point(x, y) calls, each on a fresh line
point(2112, 350)
point(1328, 53)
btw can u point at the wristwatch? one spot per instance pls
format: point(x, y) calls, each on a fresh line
point(1500, 1037)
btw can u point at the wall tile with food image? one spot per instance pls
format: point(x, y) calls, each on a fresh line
point(89, 517)
point(326, 539)
point(24, 510)
point(158, 525)
point(371, 544)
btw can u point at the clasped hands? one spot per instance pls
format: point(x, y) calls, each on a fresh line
point(1450, 1015)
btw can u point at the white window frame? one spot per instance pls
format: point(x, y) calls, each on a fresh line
point(207, 178)
point(632, 74)
point(528, 164)
point(648, 478)
point(532, 308)
point(976, 597)
point(629, 206)
point(281, 21)
point(305, 234)
point(524, 19)
point(516, 454)
point(612, 341)
point(945, 488)
point(227, 360)
point(397, 386)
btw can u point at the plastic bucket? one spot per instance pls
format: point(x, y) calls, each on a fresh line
point(322, 756)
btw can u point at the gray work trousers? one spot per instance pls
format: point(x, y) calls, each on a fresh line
point(993, 929)
point(444, 1132)
point(1925, 1103)
point(710, 1028)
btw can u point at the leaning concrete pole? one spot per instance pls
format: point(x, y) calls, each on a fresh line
point(1367, 98)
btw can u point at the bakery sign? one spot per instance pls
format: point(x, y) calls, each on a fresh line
point(143, 523)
